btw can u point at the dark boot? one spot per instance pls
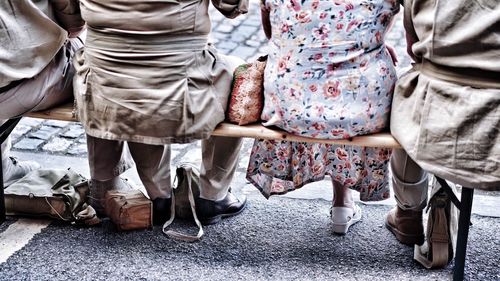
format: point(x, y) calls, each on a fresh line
point(211, 212)
point(161, 210)
point(406, 225)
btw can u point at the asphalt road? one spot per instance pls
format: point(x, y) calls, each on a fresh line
point(277, 239)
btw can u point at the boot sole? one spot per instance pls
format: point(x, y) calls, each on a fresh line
point(407, 239)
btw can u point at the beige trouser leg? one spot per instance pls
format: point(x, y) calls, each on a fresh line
point(108, 159)
point(52, 86)
point(409, 182)
point(219, 162)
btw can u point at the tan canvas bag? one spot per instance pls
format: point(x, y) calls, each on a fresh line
point(55, 193)
point(441, 234)
point(183, 202)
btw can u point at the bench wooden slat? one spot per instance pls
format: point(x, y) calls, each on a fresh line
point(256, 131)
point(62, 113)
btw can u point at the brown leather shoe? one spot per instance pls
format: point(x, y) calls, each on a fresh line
point(406, 225)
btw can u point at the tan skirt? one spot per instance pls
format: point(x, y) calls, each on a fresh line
point(157, 93)
point(448, 128)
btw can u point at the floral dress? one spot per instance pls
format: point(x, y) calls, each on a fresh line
point(330, 76)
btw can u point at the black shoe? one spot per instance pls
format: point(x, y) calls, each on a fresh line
point(161, 210)
point(211, 212)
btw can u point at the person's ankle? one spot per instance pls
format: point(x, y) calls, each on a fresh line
point(343, 203)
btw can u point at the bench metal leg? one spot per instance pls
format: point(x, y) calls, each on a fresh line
point(5, 130)
point(2, 197)
point(463, 233)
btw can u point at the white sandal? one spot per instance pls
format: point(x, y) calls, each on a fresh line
point(344, 217)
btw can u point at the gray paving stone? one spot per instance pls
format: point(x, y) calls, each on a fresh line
point(213, 41)
point(79, 149)
point(215, 15)
point(44, 133)
point(194, 156)
point(225, 28)
point(221, 36)
point(28, 144)
point(247, 30)
point(235, 22)
point(244, 52)
point(57, 123)
point(57, 145)
point(73, 132)
point(223, 51)
point(253, 43)
point(174, 154)
point(262, 37)
point(238, 37)
point(31, 122)
point(254, 21)
point(227, 45)
point(264, 49)
point(19, 131)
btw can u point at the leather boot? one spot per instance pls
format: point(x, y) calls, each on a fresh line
point(406, 225)
point(211, 212)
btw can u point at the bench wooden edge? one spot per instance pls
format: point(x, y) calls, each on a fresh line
point(255, 131)
point(61, 113)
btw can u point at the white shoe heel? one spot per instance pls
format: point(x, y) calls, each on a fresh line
point(344, 217)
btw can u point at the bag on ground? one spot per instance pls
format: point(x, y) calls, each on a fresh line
point(54, 193)
point(441, 234)
point(183, 202)
point(129, 210)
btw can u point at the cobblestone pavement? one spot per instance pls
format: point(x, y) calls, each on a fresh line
point(242, 37)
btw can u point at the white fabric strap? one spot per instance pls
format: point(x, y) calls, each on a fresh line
point(178, 235)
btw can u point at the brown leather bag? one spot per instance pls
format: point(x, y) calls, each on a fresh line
point(129, 210)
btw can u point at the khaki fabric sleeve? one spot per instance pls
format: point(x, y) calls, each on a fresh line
point(68, 15)
point(231, 8)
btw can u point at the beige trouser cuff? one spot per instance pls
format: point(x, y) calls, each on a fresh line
point(219, 162)
point(409, 182)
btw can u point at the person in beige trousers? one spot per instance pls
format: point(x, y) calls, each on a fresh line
point(145, 83)
point(446, 109)
point(37, 42)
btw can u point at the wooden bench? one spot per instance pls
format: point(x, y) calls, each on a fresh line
point(254, 131)
point(257, 131)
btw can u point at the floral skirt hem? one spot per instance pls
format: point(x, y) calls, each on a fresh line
point(278, 167)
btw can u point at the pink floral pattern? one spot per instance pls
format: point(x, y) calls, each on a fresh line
point(246, 102)
point(328, 75)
